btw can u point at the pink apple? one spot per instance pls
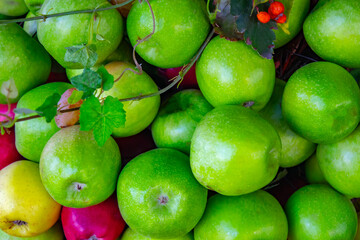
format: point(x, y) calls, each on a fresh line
point(4, 110)
point(8, 152)
point(102, 221)
point(132, 146)
point(189, 80)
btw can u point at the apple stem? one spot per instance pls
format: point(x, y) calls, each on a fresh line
point(163, 200)
point(93, 237)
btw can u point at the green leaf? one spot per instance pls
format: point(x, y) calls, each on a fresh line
point(84, 54)
point(242, 10)
point(261, 36)
point(107, 78)
point(99, 37)
point(75, 97)
point(225, 23)
point(102, 119)
point(49, 108)
point(87, 82)
point(2, 130)
point(24, 111)
point(9, 90)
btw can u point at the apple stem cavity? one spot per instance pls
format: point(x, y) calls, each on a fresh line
point(248, 104)
point(163, 199)
point(20, 223)
point(79, 186)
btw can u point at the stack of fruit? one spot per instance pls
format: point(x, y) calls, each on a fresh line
point(89, 148)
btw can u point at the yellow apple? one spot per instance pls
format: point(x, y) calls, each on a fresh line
point(26, 209)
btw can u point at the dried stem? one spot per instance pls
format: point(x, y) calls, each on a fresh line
point(161, 91)
point(46, 16)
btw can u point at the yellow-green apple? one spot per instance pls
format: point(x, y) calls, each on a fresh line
point(175, 124)
point(181, 26)
point(256, 215)
point(104, 31)
point(158, 195)
point(321, 102)
point(234, 151)
point(332, 31)
point(319, 212)
point(234, 73)
point(76, 171)
point(295, 149)
point(32, 135)
point(340, 164)
point(26, 208)
point(13, 8)
point(17, 49)
point(139, 113)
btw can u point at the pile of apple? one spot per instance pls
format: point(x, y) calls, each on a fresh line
point(199, 163)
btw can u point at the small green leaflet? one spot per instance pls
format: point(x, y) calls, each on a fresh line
point(2, 130)
point(49, 108)
point(107, 78)
point(75, 97)
point(9, 90)
point(102, 119)
point(84, 54)
point(87, 82)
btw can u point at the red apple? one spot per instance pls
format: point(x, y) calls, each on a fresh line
point(8, 152)
point(189, 80)
point(132, 146)
point(4, 110)
point(102, 221)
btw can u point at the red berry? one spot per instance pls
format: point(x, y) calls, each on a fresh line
point(263, 17)
point(281, 19)
point(276, 8)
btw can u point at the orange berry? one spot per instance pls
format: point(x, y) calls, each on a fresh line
point(281, 19)
point(276, 8)
point(263, 17)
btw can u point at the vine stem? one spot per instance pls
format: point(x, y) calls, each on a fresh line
point(175, 80)
point(46, 16)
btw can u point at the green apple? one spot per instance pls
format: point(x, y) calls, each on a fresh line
point(358, 232)
point(30, 26)
point(340, 164)
point(130, 234)
point(234, 151)
point(332, 32)
point(256, 215)
point(313, 172)
point(177, 119)
point(76, 171)
point(158, 196)
point(296, 12)
point(181, 26)
point(234, 73)
point(54, 233)
point(32, 135)
point(317, 212)
point(13, 8)
point(34, 5)
point(26, 209)
point(295, 149)
point(22, 59)
point(57, 34)
point(321, 102)
point(140, 113)
point(122, 54)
